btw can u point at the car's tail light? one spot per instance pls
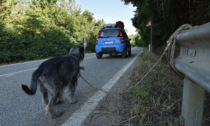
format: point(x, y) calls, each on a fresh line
point(97, 42)
point(98, 35)
point(121, 37)
point(122, 40)
point(97, 39)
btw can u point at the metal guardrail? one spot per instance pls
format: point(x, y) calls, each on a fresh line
point(194, 62)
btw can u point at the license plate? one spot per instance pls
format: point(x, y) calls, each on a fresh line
point(110, 42)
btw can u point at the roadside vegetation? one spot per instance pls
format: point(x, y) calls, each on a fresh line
point(167, 15)
point(136, 41)
point(157, 100)
point(36, 29)
point(159, 95)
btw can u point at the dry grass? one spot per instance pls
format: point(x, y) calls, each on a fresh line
point(157, 100)
point(159, 95)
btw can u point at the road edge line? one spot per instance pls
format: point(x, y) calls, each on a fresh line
point(81, 114)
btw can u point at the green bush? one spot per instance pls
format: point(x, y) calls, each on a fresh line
point(42, 29)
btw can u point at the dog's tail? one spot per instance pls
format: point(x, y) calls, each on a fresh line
point(34, 80)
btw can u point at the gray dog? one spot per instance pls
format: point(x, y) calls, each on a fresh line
point(55, 74)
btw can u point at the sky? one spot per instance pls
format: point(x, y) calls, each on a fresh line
point(111, 11)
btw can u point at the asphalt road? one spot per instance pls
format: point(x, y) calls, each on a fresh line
point(19, 109)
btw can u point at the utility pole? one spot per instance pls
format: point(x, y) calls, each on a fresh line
point(149, 24)
point(151, 40)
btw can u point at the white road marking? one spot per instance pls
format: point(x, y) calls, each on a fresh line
point(2, 66)
point(13, 73)
point(17, 72)
point(80, 115)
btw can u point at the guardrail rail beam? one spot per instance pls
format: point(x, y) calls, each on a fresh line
point(194, 62)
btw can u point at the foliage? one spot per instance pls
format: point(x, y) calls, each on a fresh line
point(43, 28)
point(168, 15)
point(136, 40)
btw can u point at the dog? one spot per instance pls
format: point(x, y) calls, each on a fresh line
point(56, 73)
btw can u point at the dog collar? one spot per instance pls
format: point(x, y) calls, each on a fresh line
point(76, 57)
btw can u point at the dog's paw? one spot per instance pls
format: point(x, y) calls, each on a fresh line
point(58, 114)
point(72, 101)
point(53, 113)
point(45, 101)
point(59, 102)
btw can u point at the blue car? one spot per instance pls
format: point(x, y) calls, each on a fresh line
point(112, 40)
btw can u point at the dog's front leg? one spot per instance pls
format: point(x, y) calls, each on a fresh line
point(72, 87)
point(71, 95)
point(59, 100)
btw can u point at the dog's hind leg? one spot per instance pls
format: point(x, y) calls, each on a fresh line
point(72, 88)
point(49, 109)
point(52, 88)
point(44, 93)
point(59, 100)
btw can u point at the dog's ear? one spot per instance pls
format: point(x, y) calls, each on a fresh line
point(85, 42)
point(69, 48)
point(82, 49)
point(82, 52)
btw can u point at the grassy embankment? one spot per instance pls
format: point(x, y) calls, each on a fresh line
point(159, 95)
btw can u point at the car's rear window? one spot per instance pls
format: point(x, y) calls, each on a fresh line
point(106, 33)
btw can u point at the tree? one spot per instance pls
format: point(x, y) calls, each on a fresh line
point(43, 28)
point(88, 15)
point(168, 15)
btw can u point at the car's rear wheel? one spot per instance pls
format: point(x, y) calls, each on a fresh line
point(99, 55)
point(124, 53)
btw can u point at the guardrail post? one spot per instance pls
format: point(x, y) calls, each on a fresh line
point(192, 103)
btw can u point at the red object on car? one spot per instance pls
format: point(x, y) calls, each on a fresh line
point(120, 24)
